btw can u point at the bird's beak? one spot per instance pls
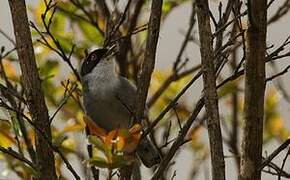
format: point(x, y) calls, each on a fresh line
point(111, 51)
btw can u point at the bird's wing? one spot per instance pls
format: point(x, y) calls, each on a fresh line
point(126, 94)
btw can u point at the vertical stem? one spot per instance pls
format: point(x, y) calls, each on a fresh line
point(210, 92)
point(234, 96)
point(251, 155)
point(33, 91)
point(147, 66)
point(94, 170)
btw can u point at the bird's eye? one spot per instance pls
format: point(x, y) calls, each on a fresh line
point(93, 57)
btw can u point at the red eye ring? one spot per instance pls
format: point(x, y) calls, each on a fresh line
point(93, 57)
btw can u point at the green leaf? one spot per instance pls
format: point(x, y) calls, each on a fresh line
point(66, 42)
point(58, 140)
point(68, 6)
point(90, 32)
point(97, 142)
point(121, 161)
point(168, 5)
point(59, 23)
point(15, 123)
point(229, 88)
point(49, 68)
point(99, 162)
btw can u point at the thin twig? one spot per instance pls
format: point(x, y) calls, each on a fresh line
point(172, 78)
point(88, 15)
point(274, 154)
point(281, 11)
point(54, 148)
point(63, 102)
point(191, 119)
point(59, 49)
point(277, 169)
point(283, 163)
point(8, 53)
point(285, 70)
point(121, 20)
point(7, 37)
point(16, 155)
point(186, 38)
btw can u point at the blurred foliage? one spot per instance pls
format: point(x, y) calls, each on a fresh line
point(229, 88)
point(158, 78)
point(71, 26)
point(169, 5)
point(274, 128)
point(274, 123)
point(6, 137)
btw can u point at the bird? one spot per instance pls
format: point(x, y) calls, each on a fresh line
point(109, 99)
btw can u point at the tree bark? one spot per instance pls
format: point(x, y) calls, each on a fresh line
point(147, 66)
point(251, 155)
point(210, 93)
point(33, 91)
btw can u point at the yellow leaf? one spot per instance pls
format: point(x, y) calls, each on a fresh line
point(101, 23)
point(6, 140)
point(158, 78)
point(271, 99)
point(135, 129)
point(284, 134)
point(120, 142)
point(10, 70)
point(229, 88)
point(58, 164)
point(69, 144)
point(37, 11)
point(73, 128)
point(275, 125)
point(195, 138)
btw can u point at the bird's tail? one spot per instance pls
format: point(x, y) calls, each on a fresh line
point(148, 153)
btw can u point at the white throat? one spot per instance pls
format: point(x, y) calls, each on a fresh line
point(103, 75)
point(104, 69)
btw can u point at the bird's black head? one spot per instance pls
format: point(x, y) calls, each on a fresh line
point(92, 60)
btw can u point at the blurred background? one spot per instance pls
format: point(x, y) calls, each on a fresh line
point(192, 161)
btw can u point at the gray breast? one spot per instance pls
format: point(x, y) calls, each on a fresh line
point(105, 108)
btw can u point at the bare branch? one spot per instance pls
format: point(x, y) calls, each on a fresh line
point(149, 61)
point(186, 38)
point(121, 20)
point(172, 78)
point(274, 154)
point(179, 141)
point(79, 5)
point(254, 90)
point(34, 94)
point(44, 136)
point(277, 169)
point(63, 101)
point(284, 71)
point(282, 10)
point(210, 91)
point(59, 49)
point(7, 37)
point(104, 8)
point(283, 164)
point(18, 156)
